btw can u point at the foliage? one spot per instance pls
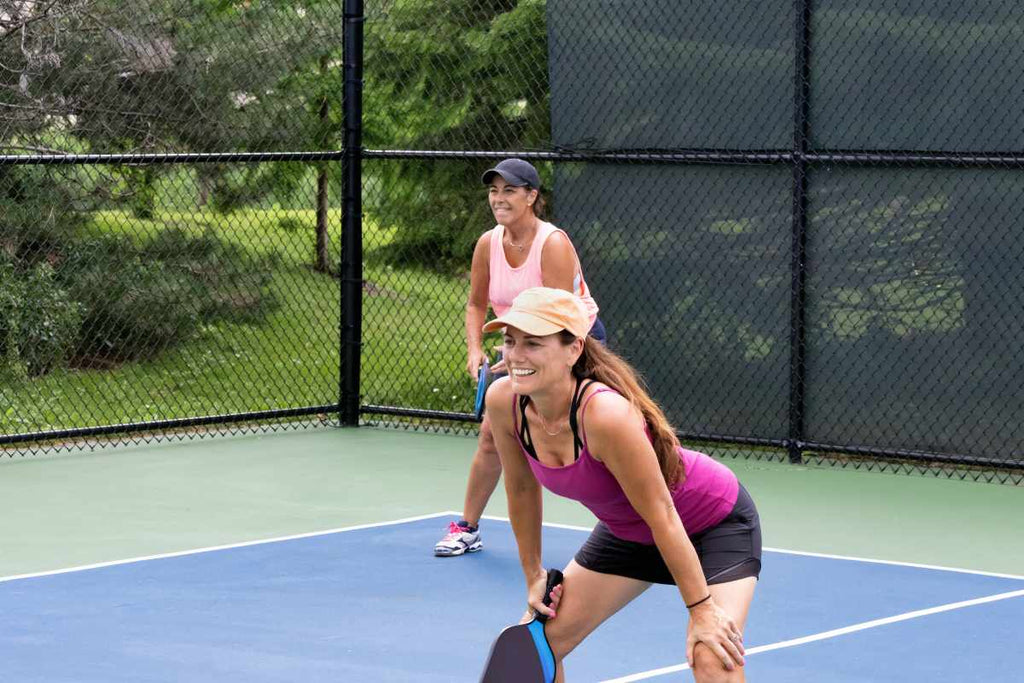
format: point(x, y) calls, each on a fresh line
point(68, 296)
point(254, 183)
point(36, 212)
point(39, 325)
point(140, 300)
point(290, 359)
point(449, 74)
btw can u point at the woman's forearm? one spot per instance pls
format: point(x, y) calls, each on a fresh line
point(525, 513)
point(681, 558)
point(475, 317)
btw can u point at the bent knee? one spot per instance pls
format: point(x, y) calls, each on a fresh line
point(708, 668)
point(562, 640)
point(487, 458)
point(487, 452)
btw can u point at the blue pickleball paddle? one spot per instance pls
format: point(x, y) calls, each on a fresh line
point(521, 653)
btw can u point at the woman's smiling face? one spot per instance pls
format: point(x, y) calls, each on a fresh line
point(536, 363)
point(509, 203)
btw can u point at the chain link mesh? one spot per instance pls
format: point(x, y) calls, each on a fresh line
point(142, 296)
point(799, 219)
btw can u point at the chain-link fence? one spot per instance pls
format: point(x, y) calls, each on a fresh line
point(799, 219)
point(169, 218)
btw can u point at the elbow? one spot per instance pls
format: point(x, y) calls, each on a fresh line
point(664, 521)
point(520, 487)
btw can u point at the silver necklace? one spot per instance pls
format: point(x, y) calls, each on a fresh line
point(508, 239)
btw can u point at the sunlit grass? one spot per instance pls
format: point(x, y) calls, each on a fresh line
point(412, 352)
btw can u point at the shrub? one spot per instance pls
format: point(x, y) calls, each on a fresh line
point(39, 322)
point(139, 301)
point(230, 283)
point(37, 216)
point(133, 309)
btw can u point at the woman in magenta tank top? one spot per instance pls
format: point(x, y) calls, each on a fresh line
point(520, 252)
point(572, 417)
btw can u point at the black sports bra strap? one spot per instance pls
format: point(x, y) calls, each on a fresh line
point(524, 425)
point(524, 428)
point(577, 442)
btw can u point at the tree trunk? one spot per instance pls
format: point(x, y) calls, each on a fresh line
point(322, 257)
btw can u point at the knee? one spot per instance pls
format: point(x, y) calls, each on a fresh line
point(708, 668)
point(562, 640)
point(486, 449)
point(487, 462)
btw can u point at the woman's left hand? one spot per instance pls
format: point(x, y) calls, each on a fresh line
point(709, 624)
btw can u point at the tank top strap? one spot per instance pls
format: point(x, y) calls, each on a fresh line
point(544, 231)
point(497, 235)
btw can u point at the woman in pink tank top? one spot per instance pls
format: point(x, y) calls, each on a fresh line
point(573, 417)
point(520, 252)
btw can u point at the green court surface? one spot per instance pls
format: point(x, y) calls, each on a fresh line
point(91, 507)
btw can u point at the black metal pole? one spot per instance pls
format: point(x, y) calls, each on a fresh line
point(798, 265)
point(352, 216)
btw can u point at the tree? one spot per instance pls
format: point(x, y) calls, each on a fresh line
point(449, 75)
point(176, 75)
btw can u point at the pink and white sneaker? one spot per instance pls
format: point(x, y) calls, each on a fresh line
point(460, 539)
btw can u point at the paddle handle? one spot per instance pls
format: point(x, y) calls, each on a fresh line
point(482, 377)
point(554, 579)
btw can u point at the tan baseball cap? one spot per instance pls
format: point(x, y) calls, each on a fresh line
point(541, 311)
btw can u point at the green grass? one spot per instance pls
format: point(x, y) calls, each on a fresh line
point(413, 352)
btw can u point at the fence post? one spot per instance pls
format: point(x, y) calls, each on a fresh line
point(798, 266)
point(351, 281)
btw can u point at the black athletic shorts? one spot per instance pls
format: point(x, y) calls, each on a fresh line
point(728, 551)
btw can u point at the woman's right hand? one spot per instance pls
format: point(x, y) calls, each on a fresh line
point(476, 358)
point(535, 598)
point(709, 624)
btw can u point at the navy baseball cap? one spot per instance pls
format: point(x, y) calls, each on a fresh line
point(515, 172)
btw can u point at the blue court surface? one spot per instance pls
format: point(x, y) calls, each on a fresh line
point(372, 604)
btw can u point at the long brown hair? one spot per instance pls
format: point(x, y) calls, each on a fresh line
point(600, 363)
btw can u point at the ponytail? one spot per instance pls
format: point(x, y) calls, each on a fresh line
point(599, 363)
point(539, 205)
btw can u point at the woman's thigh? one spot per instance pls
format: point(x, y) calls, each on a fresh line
point(735, 597)
point(588, 598)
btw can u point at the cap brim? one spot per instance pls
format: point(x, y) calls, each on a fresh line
point(510, 178)
point(528, 323)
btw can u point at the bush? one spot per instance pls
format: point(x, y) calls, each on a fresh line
point(39, 323)
point(230, 284)
point(133, 309)
point(139, 301)
point(68, 296)
point(37, 216)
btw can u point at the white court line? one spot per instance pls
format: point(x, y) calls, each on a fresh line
point(824, 635)
point(898, 564)
point(229, 546)
point(826, 556)
point(571, 527)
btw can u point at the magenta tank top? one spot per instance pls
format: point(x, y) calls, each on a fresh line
point(507, 282)
point(705, 498)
